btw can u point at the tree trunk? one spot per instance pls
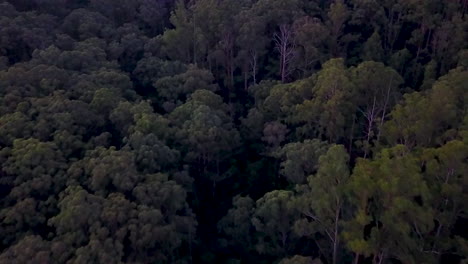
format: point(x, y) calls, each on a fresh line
point(356, 258)
point(285, 46)
point(253, 65)
point(246, 81)
point(228, 50)
point(370, 123)
point(194, 43)
point(336, 238)
point(351, 135)
point(384, 110)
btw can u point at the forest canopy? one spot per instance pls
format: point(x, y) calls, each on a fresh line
point(222, 131)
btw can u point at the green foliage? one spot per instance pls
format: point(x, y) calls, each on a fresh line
point(326, 113)
point(426, 119)
point(446, 171)
point(220, 131)
point(273, 221)
point(236, 224)
point(392, 210)
point(322, 200)
point(300, 159)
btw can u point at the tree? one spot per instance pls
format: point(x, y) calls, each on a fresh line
point(427, 118)
point(391, 202)
point(206, 134)
point(13, 126)
point(337, 15)
point(152, 155)
point(376, 93)
point(284, 41)
point(155, 14)
point(311, 38)
point(273, 220)
point(32, 174)
point(102, 170)
point(274, 133)
point(236, 224)
point(150, 69)
point(179, 42)
point(445, 172)
point(31, 249)
point(104, 228)
point(252, 42)
point(327, 111)
point(83, 24)
point(300, 159)
point(117, 118)
point(174, 90)
point(372, 49)
point(322, 200)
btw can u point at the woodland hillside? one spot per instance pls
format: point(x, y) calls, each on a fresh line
point(233, 131)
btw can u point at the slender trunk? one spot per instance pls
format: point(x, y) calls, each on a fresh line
point(253, 64)
point(428, 38)
point(423, 29)
point(370, 124)
point(227, 46)
point(336, 238)
point(283, 241)
point(417, 53)
point(378, 258)
point(285, 46)
point(356, 258)
point(381, 257)
point(194, 43)
point(283, 69)
point(351, 135)
point(439, 229)
point(254, 72)
point(245, 80)
point(384, 110)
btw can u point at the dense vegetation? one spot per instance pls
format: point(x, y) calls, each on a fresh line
point(222, 131)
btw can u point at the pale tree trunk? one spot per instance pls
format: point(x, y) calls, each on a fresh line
point(423, 30)
point(351, 135)
point(331, 232)
point(439, 228)
point(384, 110)
point(253, 65)
point(336, 238)
point(370, 116)
point(356, 259)
point(285, 45)
point(378, 259)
